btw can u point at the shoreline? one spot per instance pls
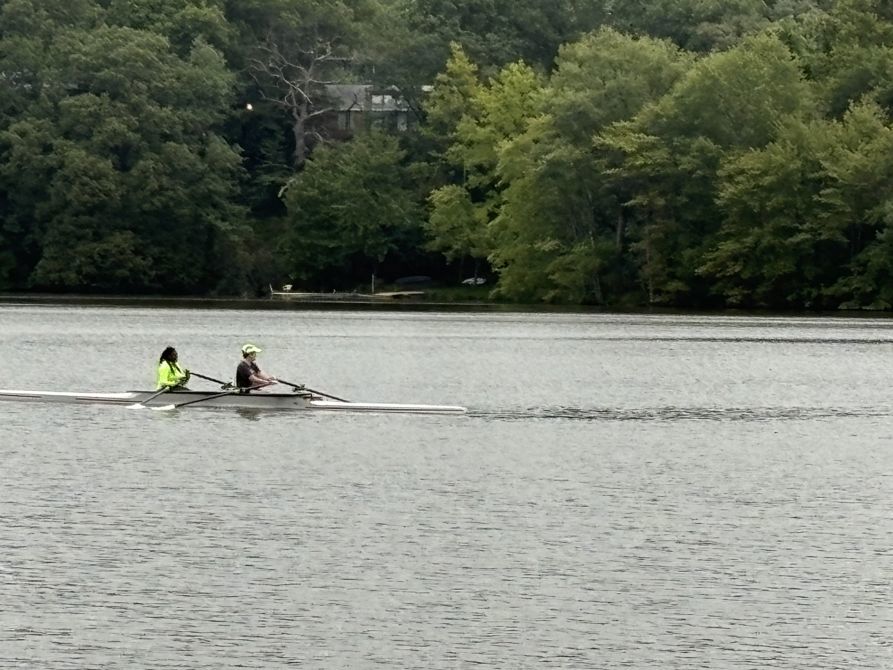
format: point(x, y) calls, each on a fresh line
point(342, 304)
point(272, 303)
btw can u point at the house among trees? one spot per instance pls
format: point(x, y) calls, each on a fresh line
point(358, 107)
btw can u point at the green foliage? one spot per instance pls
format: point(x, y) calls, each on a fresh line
point(497, 113)
point(493, 32)
point(735, 98)
point(684, 152)
point(42, 19)
point(668, 188)
point(808, 215)
point(451, 96)
point(182, 22)
point(607, 76)
point(769, 198)
point(454, 226)
point(851, 54)
point(697, 25)
point(561, 229)
point(125, 182)
point(665, 160)
point(493, 114)
point(348, 210)
point(859, 201)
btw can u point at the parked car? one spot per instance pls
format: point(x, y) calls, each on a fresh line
point(474, 281)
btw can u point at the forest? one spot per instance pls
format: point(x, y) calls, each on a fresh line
point(624, 153)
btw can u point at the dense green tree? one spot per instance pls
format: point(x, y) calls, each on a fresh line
point(850, 54)
point(807, 217)
point(706, 25)
point(137, 136)
point(696, 25)
point(182, 22)
point(561, 228)
point(727, 103)
point(735, 99)
point(546, 246)
point(451, 95)
point(493, 32)
point(496, 113)
point(779, 10)
point(449, 100)
point(351, 206)
point(125, 183)
point(771, 235)
point(414, 37)
point(27, 30)
point(456, 227)
point(858, 203)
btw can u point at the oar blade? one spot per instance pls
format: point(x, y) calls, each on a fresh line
point(144, 404)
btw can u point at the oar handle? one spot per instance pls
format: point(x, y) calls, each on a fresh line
point(301, 387)
point(297, 387)
point(218, 395)
point(208, 379)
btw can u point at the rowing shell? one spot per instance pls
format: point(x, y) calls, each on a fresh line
point(290, 401)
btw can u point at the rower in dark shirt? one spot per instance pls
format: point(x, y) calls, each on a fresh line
point(248, 375)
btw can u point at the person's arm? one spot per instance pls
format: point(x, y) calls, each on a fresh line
point(261, 378)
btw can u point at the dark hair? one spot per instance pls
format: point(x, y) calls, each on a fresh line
point(167, 355)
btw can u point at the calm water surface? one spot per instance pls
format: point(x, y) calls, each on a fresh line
point(626, 492)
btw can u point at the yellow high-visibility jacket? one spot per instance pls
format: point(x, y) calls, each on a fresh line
point(170, 374)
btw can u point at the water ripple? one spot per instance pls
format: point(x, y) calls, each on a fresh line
point(674, 414)
point(710, 501)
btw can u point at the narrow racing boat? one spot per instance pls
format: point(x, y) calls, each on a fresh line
point(298, 400)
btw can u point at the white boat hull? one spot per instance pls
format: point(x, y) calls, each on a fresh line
point(217, 400)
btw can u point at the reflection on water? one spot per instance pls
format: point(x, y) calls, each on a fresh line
point(250, 414)
point(627, 491)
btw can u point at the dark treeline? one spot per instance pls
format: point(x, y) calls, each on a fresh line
point(701, 153)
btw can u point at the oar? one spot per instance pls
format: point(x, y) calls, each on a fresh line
point(301, 387)
point(210, 397)
point(141, 405)
point(211, 379)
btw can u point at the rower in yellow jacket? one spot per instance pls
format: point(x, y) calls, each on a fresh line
point(170, 374)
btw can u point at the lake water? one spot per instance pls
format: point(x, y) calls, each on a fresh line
point(626, 492)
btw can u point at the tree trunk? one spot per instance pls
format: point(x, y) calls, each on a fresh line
point(648, 270)
point(299, 114)
point(621, 230)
